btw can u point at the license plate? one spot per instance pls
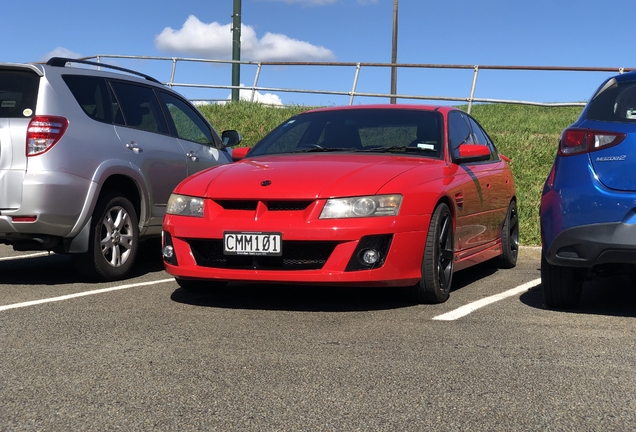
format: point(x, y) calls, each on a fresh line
point(248, 243)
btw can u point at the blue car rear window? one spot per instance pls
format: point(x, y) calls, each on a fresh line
point(616, 103)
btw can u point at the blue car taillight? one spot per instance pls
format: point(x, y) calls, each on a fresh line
point(581, 140)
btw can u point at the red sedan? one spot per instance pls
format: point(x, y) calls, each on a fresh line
point(378, 195)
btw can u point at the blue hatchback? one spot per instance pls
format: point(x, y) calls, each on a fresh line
point(588, 206)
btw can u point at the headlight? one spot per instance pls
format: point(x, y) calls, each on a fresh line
point(366, 206)
point(185, 205)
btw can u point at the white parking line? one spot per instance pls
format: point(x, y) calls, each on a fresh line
point(465, 310)
point(25, 256)
point(81, 294)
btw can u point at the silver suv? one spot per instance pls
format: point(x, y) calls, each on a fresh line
point(88, 159)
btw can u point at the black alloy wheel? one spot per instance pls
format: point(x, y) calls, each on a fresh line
point(437, 264)
point(510, 238)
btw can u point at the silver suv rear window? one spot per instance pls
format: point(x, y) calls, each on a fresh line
point(18, 93)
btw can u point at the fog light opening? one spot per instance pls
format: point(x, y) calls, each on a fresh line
point(369, 256)
point(167, 252)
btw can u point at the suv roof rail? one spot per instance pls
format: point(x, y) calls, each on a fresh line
point(61, 62)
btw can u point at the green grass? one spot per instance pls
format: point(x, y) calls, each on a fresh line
point(528, 135)
point(252, 120)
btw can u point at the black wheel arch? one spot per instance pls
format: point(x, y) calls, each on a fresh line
point(128, 188)
point(125, 186)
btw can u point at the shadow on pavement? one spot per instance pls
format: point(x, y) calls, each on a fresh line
point(55, 269)
point(311, 298)
point(615, 296)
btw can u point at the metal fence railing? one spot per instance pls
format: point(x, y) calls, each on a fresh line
point(357, 67)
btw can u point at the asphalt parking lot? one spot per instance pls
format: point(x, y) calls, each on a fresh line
point(142, 354)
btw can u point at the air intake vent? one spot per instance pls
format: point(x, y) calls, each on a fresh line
point(287, 205)
point(297, 255)
point(249, 205)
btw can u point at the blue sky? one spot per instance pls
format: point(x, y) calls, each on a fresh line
point(582, 33)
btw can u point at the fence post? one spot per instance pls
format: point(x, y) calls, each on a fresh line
point(258, 72)
point(472, 89)
point(174, 67)
point(355, 84)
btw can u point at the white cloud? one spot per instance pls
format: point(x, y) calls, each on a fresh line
point(246, 95)
point(267, 98)
point(61, 52)
point(214, 41)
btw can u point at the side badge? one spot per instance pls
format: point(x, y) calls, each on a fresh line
point(266, 182)
point(611, 158)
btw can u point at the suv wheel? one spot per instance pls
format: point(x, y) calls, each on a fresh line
point(113, 241)
point(562, 286)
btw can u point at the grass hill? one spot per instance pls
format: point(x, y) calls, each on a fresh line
point(528, 135)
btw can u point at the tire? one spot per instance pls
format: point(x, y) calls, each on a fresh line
point(113, 241)
point(200, 286)
point(437, 263)
point(562, 286)
point(510, 238)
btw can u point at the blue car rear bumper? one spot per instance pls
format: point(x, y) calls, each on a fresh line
point(590, 245)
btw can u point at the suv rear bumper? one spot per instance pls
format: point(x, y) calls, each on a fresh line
point(590, 245)
point(52, 198)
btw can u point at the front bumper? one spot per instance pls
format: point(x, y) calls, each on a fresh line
point(401, 265)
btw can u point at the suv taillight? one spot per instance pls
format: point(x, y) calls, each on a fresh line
point(579, 140)
point(43, 133)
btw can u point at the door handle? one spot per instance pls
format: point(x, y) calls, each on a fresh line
point(134, 147)
point(192, 156)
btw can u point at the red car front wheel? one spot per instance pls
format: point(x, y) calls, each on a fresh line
point(437, 264)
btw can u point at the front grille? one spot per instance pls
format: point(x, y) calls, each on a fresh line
point(287, 205)
point(238, 204)
point(297, 255)
point(250, 205)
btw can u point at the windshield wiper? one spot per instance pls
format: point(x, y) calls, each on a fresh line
point(400, 149)
point(317, 148)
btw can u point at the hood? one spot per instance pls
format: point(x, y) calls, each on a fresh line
point(306, 176)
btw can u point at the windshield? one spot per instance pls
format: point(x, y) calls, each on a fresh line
point(357, 130)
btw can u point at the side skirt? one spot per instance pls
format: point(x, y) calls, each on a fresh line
point(473, 256)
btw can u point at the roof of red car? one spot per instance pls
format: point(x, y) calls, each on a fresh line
point(441, 108)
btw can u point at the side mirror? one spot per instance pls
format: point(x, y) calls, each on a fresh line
point(239, 153)
point(473, 153)
point(231, 138)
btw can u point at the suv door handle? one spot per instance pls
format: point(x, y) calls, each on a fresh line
point(192, 156)
point(134, 147)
